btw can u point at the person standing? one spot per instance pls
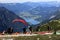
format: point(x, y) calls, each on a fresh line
point(30, 28)
point(10, 30)
point(24, 30)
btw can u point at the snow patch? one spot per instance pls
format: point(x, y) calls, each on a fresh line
point(52, 16)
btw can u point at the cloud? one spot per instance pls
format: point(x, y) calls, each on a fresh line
point(20, 1)
point(8, 1)
point(12, 1)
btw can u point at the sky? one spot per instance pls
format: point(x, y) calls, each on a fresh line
point(21, 1)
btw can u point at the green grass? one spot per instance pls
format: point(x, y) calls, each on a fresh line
point(41, 37)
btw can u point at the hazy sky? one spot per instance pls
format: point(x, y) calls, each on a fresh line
point(20, 1)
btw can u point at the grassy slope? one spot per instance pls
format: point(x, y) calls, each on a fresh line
point(41, 37)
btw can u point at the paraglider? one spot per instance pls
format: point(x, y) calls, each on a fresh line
point(20, 20)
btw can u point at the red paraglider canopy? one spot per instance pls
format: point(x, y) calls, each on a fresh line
point(20, 20)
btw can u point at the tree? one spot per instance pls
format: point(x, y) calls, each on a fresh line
point(54, 24)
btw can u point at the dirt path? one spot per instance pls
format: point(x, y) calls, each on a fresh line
point(18, 35)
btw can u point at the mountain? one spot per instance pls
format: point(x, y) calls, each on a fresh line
point(6, 20)
point(39, 13)
point(56, 16)
point(36, 11)
point(21, 7)
point(16, 7)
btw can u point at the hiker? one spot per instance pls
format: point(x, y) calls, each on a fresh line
point(48, 28)
point(37, 29)
point(10, 30)
point(24, 30)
